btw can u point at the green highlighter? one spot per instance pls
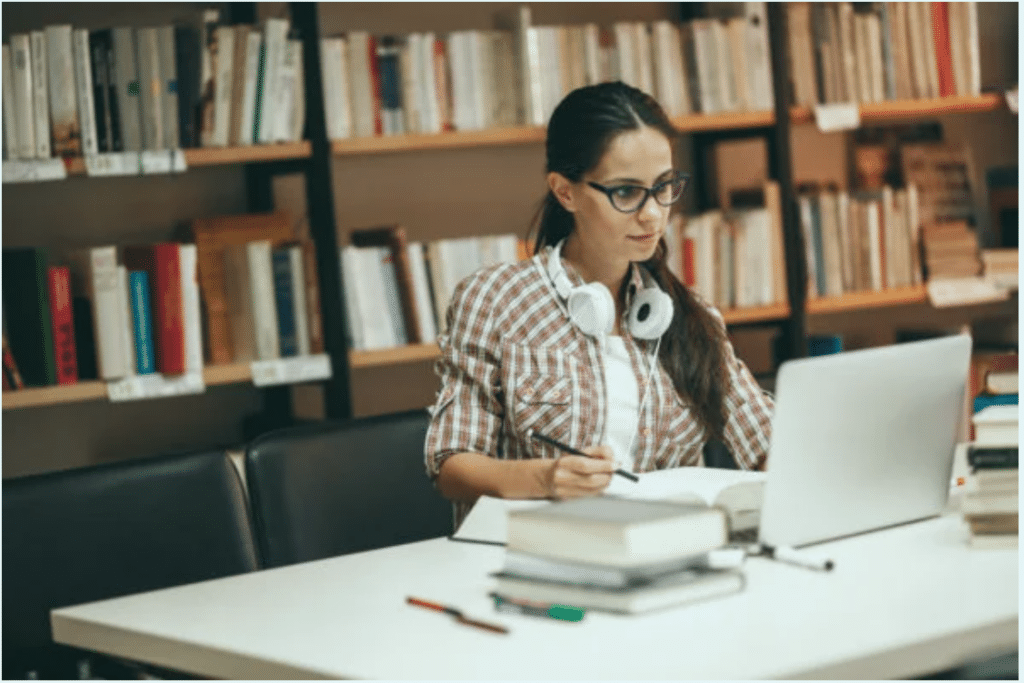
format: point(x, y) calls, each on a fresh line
point(537, 609)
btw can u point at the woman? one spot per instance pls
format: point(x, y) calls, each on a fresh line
point(592, 342)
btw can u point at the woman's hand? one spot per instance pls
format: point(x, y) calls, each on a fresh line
point(576, 476)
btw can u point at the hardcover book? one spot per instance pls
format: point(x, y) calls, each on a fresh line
point(26, 302)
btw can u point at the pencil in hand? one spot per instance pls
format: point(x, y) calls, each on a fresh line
point(575, 451)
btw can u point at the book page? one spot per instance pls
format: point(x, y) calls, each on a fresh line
point(486, 522)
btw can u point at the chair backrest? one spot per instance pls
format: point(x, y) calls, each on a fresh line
point(99, 532)
point(343, 487)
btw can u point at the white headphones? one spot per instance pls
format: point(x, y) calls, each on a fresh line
point(592, 309)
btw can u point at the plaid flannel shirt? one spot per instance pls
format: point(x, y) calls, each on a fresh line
point(511, 360)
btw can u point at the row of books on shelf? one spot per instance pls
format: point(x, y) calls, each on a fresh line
point(397, 292)
point(733, 257)
point(167, 308)
point(70, 92)
point(517, 73)
point(843, 52)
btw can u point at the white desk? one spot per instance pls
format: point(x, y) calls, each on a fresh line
point(902, 601)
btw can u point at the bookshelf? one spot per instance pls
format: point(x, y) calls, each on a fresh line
point(343, 178)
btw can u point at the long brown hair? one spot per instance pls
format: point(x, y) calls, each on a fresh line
point(578, 134)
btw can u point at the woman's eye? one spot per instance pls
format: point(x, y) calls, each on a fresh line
point(627, 192)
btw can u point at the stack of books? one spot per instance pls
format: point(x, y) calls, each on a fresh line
point(990, 504)
point(615, 554)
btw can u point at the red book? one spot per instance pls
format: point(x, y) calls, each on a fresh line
point(65, 358)
point(378, 121)
point(442, 88)
point(943, 52)
point(162, 263)
point(689, 274)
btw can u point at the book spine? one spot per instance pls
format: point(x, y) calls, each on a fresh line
point(168, 310)
point(100, 90)
point(254, 44)
point(62, 320)
point(12, 377)
point(27, 311)
point(150, 88)
point(186, 53)
point(40, 95)
point(297, 271)
point(191, 308)
point(126, 320)
point(285, 302)
point(238, 76)
point(11, 127)
point(316, 328)
point(145, 358)
point(103, 289)
point(21, 57)
point(67, 141)
point(943, 54)
point(275, 36)
point(84, 91)
point(992, 458)
point(85, 342)
point(168, 87)
point(223, 81)
point(126, 82)
point(261, 289)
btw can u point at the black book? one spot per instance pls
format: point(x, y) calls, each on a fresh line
point(989, 457)
point(100, 92)
point(103, 41)
point(26, 301)
point(186, 50)
point(85, 342)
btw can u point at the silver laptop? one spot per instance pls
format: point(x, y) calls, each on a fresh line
point(863, 440)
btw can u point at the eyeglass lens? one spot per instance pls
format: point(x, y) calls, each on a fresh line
point(629, 197)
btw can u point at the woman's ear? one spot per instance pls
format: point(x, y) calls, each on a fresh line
point(562, 188)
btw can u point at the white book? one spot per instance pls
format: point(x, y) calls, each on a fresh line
point(736, 34)
point(297, 115)
point(95, 274)
point(724, 67)
point(430, 113)
point(423, 305)
point(624, 39)
point(275, 35)
point(223, 81)
point(535, 77)
point(759, 59)
point(874, 235)
point(287, 93)
point(373, 307)
point(351, 280)
point(409, 70)
point(238, 297)
point(125, 323)
point(254, 43)
point(264, 305)
point(644, 59)
point(331, 77)
point(299, 299)
point(10, 110)
point(973, 50)
point(392, 297)
point(481, 56)
point(524, 38)
point(168, 86)
point(925, 14)
point(707, 77)
point(665, 82)
point(877, 71)
point(996, 426)
point(190, 307)
point(150, 89)
point(21, 67)
point(84, 92)
point(40, 95)
point(64, 123)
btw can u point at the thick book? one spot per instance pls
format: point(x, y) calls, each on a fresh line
point(991, 457)
point(996, 426)
point(536, 567)
point(617, 531)
point(26, 304)
point(142, 325)
point(63, 321)
point(670, 590)
point(95, 276)
point(162, 262)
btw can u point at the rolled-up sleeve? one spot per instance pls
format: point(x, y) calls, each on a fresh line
point(748, 412)
point(468, 414)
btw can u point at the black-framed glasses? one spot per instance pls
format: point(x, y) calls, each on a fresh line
point(631, 198)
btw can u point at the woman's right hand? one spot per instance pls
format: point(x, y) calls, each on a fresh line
point(576, 476)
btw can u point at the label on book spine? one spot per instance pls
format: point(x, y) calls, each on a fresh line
point(141, 387)
point(112, 164)
point(155, 162)
point(837, 116)
point(34, 171)
point(291, 370)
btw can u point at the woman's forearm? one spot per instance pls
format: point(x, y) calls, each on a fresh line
point(467, 476)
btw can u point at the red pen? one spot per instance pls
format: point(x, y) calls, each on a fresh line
point(459, 616)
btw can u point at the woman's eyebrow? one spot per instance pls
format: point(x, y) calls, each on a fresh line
point(635, 181)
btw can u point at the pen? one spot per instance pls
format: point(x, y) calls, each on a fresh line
point(575, 451)
point(537, 609)
point(459, 616)
point(800, 558)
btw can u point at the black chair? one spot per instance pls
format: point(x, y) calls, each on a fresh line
point(99, 532)
point(342, 487)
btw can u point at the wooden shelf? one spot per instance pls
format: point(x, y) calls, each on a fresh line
point(393, 356)
point(756, 314)
point(385, 144)
point(223, 156)
point(33, 397)
point(861, 300)
point(725, 121)
point(902, 109)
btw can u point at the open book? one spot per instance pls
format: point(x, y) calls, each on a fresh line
point(739, 492)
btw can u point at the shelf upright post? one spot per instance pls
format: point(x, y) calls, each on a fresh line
point(320, 198)
point(794, 339)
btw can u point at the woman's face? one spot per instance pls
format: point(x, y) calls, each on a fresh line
point(608, 238)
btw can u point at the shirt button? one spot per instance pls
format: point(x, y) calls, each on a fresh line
point(644, 432)
point(527, 392)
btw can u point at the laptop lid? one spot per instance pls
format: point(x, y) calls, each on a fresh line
point(863, 440)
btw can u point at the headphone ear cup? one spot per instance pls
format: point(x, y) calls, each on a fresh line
point(592, 309)
point(650, 314)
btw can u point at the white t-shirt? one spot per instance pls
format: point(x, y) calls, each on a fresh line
point(623, 401)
